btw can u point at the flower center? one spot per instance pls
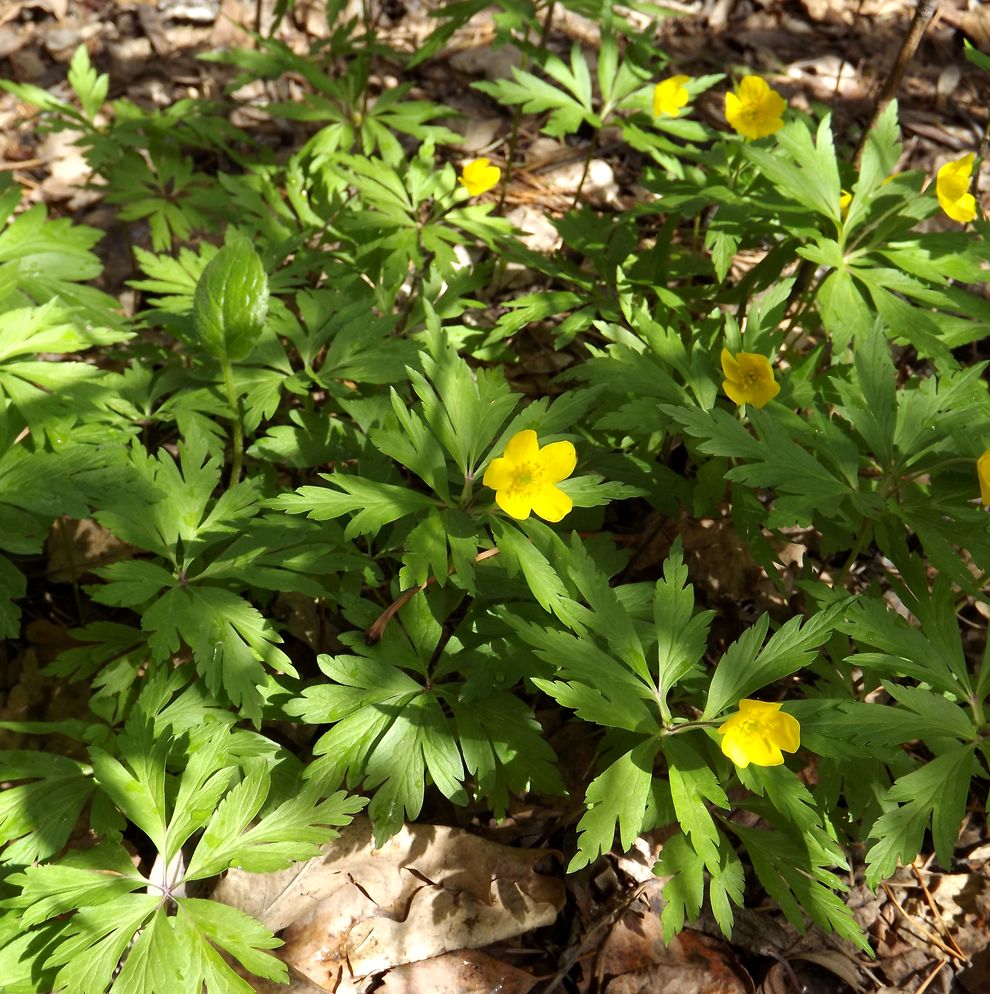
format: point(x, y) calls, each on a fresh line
point(751, 378)
point(754, 727)
point(525, 477)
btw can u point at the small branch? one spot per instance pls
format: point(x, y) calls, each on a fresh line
point(922, 16)
point(376, 629)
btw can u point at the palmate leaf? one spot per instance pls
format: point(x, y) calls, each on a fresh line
point(44, 260)
point(37, 817)
point(504, 748)
point(799, 883)
point(568, 107)
point(617, 796)
point(389, 734)
point(522, 556)
point(293, 831)
point(372, 504)
point(684, 891)
point(746, 667)
point(692, 786)
point(230, 640)
point(681, 635)
point(804, 170)
point(937, 791)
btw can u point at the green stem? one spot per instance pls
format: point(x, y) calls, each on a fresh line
point(688, 726)
point(237, 431)
point(861, 536)
point(468, 490)
point(592, 148)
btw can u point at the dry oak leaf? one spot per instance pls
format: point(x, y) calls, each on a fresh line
point(429, 890)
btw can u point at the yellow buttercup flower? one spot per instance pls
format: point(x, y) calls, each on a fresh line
point(479, 176)
point(670, 95)
point(983, 472)
point(523, 479)
point(952, 188)
point(755, 110)
point(757, 733)
point(845, 199)
point(748, 378)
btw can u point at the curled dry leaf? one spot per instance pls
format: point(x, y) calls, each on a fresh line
point(358, 911)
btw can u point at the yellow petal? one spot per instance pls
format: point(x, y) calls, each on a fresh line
point(522, 447)
point(983, 472)
point(730, 367)
point(962, 209)
point(557, 461)
point(516, 505)
point(479, 176)
point(733, 110)
point(735, 392)
point(762, 393)
point(733, 748)
point(498, 476)
point(754, 706)
point(762, 752)
point(753, 89)
point(952, 189)
point(551, 503)
point(786, 732)
point(670, 95)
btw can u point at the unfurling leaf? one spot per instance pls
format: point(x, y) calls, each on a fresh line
point(231, 301)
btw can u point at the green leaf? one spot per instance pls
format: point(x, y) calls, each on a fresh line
point(618, 795)
point(293, 831)
point(543, 580)
point(136, 783)
point(152, 961)
point(692, 786)
point(681, 638)
point(745, 668)
point(201, 924)
point(37, 818)
point(230, 640)
point(684, 891)
point(938, 790)
point(91, 89)
point(231, 301)
point(504, 749)
point(802, 170)
point(376, 504)
point(799, 884)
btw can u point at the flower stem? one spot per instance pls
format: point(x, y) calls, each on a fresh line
point(236, 431)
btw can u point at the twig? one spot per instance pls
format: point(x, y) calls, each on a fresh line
point(375, 631)
point(920, 930)
point(927, 982)
point(936, 911)
point(922, 15)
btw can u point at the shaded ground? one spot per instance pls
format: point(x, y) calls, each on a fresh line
point(929, 924)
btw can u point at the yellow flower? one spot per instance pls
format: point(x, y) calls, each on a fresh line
point(755, 110)
point(983, 472)
point(479, 176)
point(523, 479)
point(952, 187)
point(748, 378)
point(845, 199)
point(670, 95)
point(757, 732)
